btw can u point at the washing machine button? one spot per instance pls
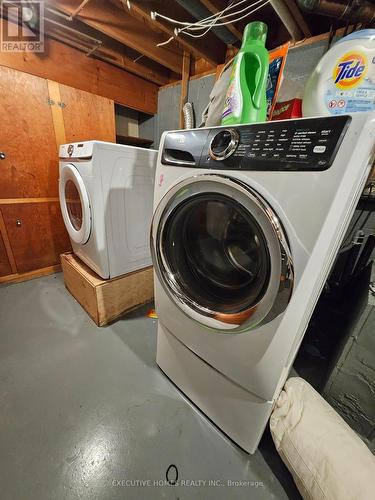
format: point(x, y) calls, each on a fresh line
point(319, 149)
point(224, 144)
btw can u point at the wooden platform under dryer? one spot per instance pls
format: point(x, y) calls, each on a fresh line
point(106, 300)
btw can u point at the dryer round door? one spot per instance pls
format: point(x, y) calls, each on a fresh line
point(221, 254)
point(74, 202)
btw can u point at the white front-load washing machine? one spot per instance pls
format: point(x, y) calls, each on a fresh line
point(106, 196)
point(247, 222)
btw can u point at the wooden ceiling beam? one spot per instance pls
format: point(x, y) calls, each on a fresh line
point(215, 6)
point(69, 66)
point(114, 57)
point(209, 47)
point(137, 68)
point(84, 37)
point(79, 8)
point(117, 23)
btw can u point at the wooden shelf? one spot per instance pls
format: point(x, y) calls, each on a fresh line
point(133, 141)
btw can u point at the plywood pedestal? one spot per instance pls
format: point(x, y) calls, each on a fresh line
point(106, 300)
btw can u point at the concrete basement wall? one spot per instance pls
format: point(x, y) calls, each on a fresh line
point(169, 103)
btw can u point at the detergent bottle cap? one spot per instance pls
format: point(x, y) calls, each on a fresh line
point(255, 31)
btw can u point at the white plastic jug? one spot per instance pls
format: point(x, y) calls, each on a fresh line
point(344, 79)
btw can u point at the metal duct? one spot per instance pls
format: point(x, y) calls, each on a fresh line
point(197, 10)
point(281, 9)
point(355, 11)
point(188, 112)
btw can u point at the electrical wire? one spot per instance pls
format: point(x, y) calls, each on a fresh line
point(154, 14)
point(161, 44)
point(212, 21)
point(184, 30)
point(195, 23)
point(224, 24)
point(233, 14)
point(207, 19)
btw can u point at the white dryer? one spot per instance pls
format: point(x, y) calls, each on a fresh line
point(247, 222)
point(106, 193)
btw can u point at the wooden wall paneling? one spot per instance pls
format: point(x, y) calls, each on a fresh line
point(37, 273)
point(69, 66)
point(57, 112)
point(12, 201)
point(40, 236)
point(87, 116)
point(30, 167)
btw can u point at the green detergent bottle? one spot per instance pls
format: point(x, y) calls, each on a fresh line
point(245, 100)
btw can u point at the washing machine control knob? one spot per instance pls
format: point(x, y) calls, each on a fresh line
point(224, 144)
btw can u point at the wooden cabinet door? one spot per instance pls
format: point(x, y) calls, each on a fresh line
point(36, 114)
point(27, 138)
point(5, 268)
point(36, 233)
point(87, 116)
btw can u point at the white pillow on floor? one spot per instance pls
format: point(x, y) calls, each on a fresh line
point(327, 459)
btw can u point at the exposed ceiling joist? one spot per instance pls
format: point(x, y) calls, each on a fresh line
point(108, 49)
point(199, 11)
point(137, 68)
point(208, 47)
point(79, 8)
point(217, 5)
point(111, 56)
point(117, 23)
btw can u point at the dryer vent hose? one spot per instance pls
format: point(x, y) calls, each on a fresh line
point(188, 112)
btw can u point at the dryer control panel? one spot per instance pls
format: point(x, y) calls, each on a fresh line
point(293, 145)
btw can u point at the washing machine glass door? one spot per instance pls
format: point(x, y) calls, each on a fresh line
point(221, 253)
point(75, 206)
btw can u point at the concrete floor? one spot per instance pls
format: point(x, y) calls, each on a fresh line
point(86, 413)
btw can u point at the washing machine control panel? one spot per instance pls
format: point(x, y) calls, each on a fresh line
point(309, 144)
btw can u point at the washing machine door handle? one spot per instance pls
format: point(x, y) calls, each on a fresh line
point(221, 253)
point(74, 204)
